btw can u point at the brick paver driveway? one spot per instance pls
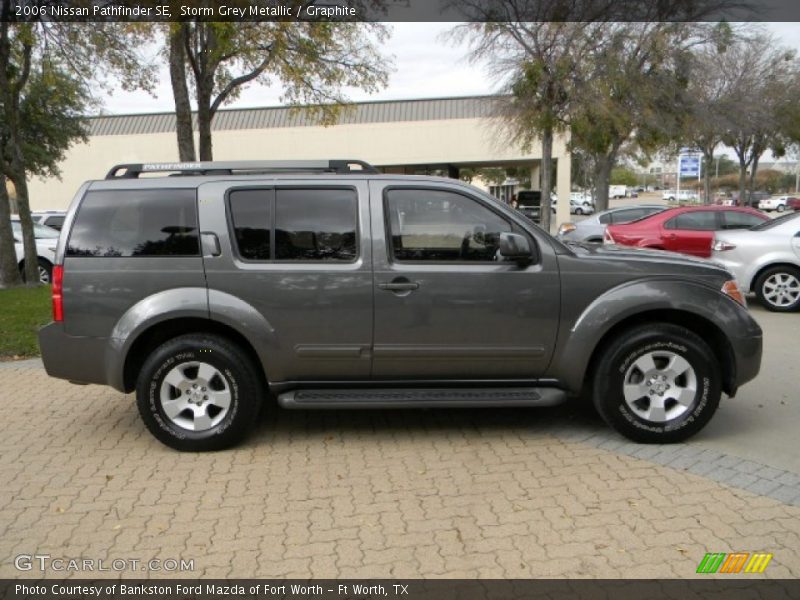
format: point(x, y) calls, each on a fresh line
point(480, 493)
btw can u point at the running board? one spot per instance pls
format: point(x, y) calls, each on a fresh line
point(421, 398)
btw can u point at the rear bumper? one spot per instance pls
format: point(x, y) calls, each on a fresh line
point(75, 358)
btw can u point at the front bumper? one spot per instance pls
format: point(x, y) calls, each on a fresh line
point(747, 345)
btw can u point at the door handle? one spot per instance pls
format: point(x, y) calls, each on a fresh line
point(210, 243)
point(399, 284)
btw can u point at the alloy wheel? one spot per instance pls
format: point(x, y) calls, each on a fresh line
point(195, 396)
point(781, 289)
point(660, 386)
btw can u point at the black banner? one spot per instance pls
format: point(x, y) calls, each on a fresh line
point(398, 589)
point(401, 10)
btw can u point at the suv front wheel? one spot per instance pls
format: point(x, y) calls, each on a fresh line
point(657, 384)
point(198, 392)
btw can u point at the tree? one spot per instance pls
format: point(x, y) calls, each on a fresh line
point(314, 61)
point(539, 62)
point(636, 101)
point(765, 77)
point(51, 112)
point(711, 99)
point(49, 63)
point(623, 176)
point(537, 52)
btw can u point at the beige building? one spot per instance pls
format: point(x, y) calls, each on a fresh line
point(403, 136)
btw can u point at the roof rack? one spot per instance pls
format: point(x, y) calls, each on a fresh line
point(339, 167)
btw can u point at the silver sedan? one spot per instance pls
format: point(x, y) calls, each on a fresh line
point(592, 229)
point(765, 260)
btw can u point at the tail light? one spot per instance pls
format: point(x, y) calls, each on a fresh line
point(721, 246)
point(58, 301)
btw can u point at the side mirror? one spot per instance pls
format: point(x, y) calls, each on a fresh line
point(516, 247)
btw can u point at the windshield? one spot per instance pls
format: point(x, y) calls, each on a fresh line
point(40, 232)
point(774, 222)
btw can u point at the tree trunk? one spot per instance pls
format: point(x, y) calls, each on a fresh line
point(18, 178)
point(180, 92)
point(708, 159)
point(204, 118)
point(753, 170)
point(547, 178)
point(602, 181)
point(742, 181)
point(9, 273)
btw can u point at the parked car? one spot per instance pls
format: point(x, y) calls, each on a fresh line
point(779, 203)
point(765, 260)
point(793, 203)
point(577, 206)
point(51, 218)
point(685, 229)
point(752, 199)
point(331, 286)
point(584, 198)
point(680, 196)
point(591, 230)
point(46, 240)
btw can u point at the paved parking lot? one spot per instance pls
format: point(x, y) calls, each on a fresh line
point(478, 493)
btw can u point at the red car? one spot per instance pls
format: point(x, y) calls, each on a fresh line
point(687, 229)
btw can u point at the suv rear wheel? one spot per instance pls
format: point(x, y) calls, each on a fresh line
point(198, 392)
point(657, 384)
point(778, 289)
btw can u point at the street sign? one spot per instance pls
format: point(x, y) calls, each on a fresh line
point(689, 165)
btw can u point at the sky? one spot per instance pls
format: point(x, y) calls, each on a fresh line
point(426, 65)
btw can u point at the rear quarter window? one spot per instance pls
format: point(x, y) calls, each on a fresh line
point(136, 223)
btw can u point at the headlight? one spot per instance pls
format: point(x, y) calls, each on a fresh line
point(731, 289)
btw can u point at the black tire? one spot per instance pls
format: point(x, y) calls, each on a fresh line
point(761, 292)
point(662, 340)
point(781, 208)
point(44, 268)
point(236, 375)
point(578, 210)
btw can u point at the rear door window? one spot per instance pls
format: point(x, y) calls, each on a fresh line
point(732, 219)
point(251, 214)
point(136, 223)
point(54, 222)
point(316, 224)
point(295, 224)
point(626, 216)
point(701, 220)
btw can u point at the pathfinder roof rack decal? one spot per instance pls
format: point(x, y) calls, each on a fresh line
point(339, 167)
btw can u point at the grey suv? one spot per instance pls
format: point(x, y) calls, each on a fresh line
point(329, 285)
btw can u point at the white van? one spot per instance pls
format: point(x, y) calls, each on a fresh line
point(617, 191)
point(682, 196)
